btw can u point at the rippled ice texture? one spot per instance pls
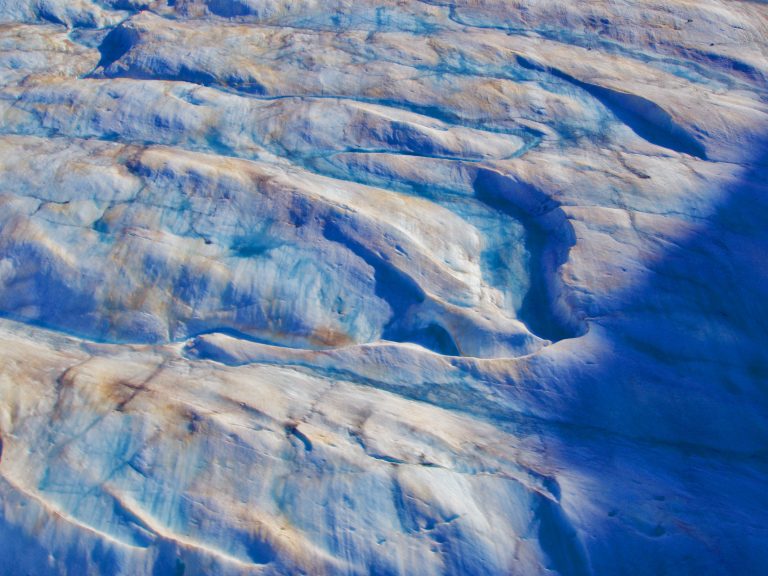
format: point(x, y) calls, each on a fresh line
point(397, 287)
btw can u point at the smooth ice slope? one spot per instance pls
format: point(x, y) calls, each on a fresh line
point(399, 287)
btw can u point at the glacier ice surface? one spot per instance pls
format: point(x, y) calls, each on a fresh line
point(397, 287)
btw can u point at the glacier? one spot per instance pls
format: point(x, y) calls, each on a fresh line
point(402, 287)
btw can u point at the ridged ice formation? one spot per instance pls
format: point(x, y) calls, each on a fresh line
point(395, 287)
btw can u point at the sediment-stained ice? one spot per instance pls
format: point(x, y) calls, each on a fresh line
point(399, 287)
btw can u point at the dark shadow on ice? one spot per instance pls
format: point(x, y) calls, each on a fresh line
point(692, 339)
point(679, 387)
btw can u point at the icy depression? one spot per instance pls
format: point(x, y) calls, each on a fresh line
point(394, 288)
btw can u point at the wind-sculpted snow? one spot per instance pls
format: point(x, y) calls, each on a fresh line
point(400, 287)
